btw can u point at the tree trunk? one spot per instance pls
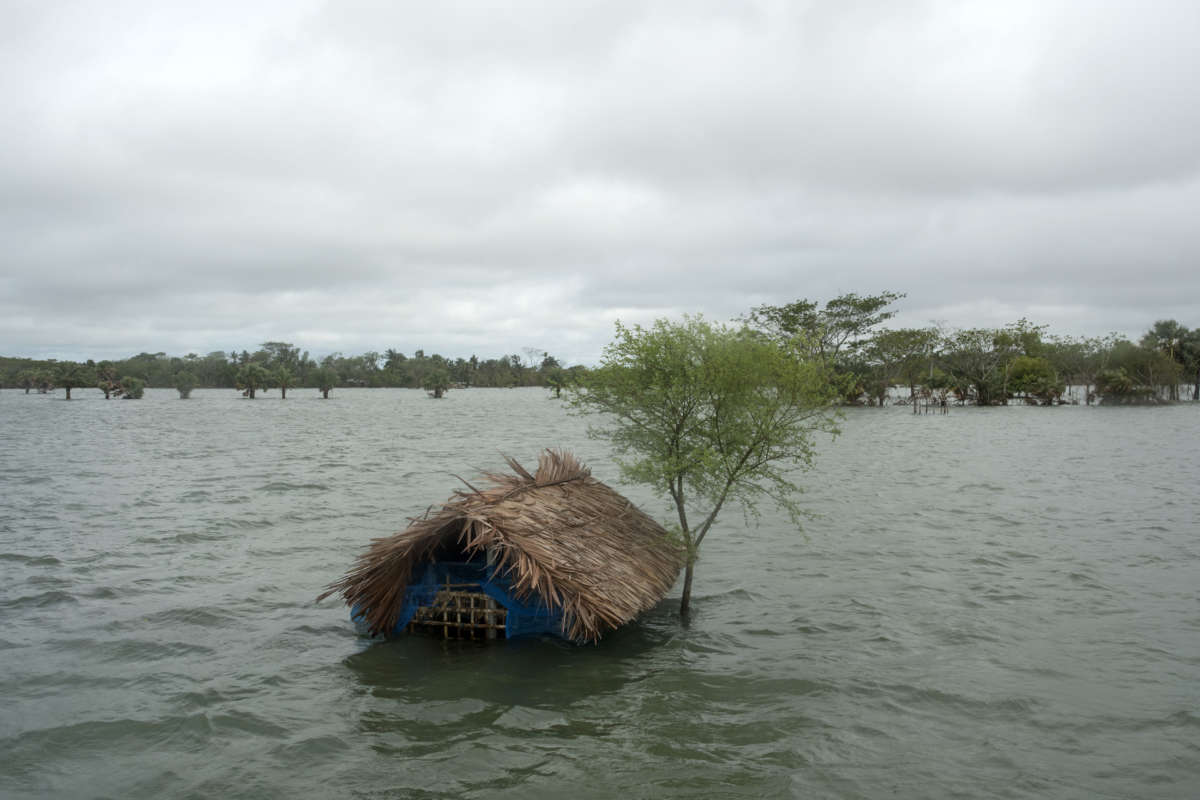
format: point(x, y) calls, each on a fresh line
point(685, 602)
point(324, 394)
point(251, 392)
point(68, 388)
point(283, 393)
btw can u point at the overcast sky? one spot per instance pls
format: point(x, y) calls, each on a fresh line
point(481, 178)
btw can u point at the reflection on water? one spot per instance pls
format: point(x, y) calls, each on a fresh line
point(995, 602)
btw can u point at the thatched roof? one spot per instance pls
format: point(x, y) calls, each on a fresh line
point(559, 534)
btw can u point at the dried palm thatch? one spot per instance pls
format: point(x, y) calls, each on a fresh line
point(559, 535)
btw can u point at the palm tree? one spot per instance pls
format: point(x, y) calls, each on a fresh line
point(284, 379)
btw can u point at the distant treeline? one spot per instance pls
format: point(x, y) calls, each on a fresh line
point(283, 365)
point(1019, 362)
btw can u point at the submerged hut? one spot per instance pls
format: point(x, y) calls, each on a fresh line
point(553, 552)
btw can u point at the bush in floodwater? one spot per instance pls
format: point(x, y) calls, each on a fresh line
point(132, 388)
point(185, 381)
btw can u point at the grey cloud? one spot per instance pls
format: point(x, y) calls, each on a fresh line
point(365, 175)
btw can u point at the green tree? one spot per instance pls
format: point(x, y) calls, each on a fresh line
point(107, 380)
point(185, 382)
point(1171, 339)
point(280, 354)
point(844, 321)
point(252, 378)
point(979, 358)
point(436, 382)
point(901, 355)
point(326, 379)
point(284, 379)
point(1036, 379)
point(132, 388)
point(26, 380)
point(1190, 347)
point(706, 415)
point(71, 376)
point(557, 378)
point(1137, 375)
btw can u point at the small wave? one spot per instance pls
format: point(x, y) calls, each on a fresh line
point(133, 651)
point(249, 523)
point(987, 487)
point(200, 617)
point(182, 538)
point(42, 600)
point(280, 486)
point(33, 561)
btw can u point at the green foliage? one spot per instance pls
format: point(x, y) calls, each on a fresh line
point(70, 375)
point(1137, 375)
point(326, 378)
point(706, 414)
point(132, 388)
point(841, 325)
point(185, 382)
point(1035, 378)
point(900, 356)
point(252, 378)
point(437, 382)
point(284, 379)
point(107, 380)
point(979, 360)
point(558, 379)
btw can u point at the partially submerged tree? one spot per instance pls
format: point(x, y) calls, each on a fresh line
point(1169, 338)
point(436, 383)
point(106, 379)
point(132, 388)
point(708, 415)
point(1137, 375)
point(185, 382)
point(284, 379)
point(556, 378)
point(1036, 379)
point(326, 379)
point(1190, 348)
point(72, 376)
point(252, 378)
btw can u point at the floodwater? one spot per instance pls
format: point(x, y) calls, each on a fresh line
point(995, 602)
